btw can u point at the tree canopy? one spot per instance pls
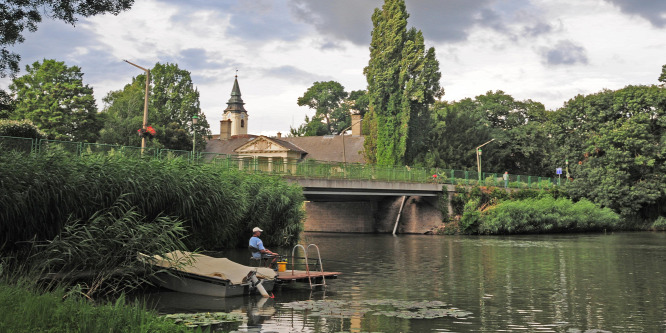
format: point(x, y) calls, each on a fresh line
point(52, 95)
point(18, 15)
point(173, 101)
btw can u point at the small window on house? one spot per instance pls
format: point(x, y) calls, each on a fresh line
point(242, 123)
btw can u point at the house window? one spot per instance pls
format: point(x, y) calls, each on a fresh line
point(242, 123)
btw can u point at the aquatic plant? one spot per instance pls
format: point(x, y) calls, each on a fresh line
point(386, 307)
point(203, 319)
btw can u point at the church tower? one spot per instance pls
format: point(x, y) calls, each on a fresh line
point(235, 117)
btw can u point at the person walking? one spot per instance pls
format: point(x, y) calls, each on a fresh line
point(506, 179)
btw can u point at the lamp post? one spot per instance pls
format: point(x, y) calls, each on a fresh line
point(478, 157)
point(145, 103)
point(195, 120)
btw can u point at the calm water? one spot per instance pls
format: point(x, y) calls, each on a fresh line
point(563, 283)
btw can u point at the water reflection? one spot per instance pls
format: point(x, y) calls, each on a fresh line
point(562, 283)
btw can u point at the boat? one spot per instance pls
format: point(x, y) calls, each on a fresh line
point(200, 274)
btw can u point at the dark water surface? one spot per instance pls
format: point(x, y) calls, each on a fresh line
point(553, 283)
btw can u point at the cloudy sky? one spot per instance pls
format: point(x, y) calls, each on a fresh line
point(544, 50)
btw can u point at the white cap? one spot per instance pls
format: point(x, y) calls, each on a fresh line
point(257, 229)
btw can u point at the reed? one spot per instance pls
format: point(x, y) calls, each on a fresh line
point(217, 205)
point(100, 255)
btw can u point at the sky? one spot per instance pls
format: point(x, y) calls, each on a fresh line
point(543, 50)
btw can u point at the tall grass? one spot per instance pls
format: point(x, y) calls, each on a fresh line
point(100, 254)
point(25, 310)
point(218, 206)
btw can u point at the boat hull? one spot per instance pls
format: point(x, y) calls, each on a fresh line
point(202, 285)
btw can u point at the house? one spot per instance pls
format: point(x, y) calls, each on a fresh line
point(274, 151)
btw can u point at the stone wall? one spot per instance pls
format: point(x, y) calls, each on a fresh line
point(419, 215)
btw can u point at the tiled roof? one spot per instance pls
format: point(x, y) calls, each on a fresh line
point(329, 148)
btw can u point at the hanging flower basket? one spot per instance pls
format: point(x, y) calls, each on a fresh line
point(148, 133)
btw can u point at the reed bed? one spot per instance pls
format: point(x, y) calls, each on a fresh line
point(218, 206)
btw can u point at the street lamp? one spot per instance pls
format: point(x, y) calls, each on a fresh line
point(478, 157)
point(145, 104)
point(195, 120)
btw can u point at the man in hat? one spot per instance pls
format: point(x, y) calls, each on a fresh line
point(258, 249)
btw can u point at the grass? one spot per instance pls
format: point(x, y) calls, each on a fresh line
point(24, 309)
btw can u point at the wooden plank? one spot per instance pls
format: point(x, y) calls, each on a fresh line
point(302, 275)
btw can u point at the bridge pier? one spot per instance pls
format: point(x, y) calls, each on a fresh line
point(420, 214)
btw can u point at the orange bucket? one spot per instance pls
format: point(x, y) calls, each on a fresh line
point(282, 266)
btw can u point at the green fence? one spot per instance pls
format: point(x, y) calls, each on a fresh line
point(288, 167)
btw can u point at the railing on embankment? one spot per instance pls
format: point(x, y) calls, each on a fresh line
point(289, 167)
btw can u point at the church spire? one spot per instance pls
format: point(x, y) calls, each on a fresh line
point(235, 103)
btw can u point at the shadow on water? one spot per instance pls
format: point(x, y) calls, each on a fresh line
point(418, 283)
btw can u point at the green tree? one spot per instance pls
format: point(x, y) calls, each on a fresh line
point(327, 98)
point(18, 15)
point(662, 77)
point(519, 128)
point(53, 96)
point(403, 80)
point(616, 141)
point(6, 104)
point(172, 103)
point(314, 127)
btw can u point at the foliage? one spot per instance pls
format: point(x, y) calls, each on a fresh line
point(172, 103)
point(662, 77)
point(519, 128)
point(659, 224)
point(403, 79)
point(24, 309)
point(40, 193)
point(21, 129)
point(52, 95)
point(545, 215)
point(106, 247)
point(6, 104)
point(18, 15)
point(616, 143)
point(327, 98)
point(312, 127)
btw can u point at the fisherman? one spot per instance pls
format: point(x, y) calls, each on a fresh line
point(258, 249)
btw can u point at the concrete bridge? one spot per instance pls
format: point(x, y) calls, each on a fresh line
point(364, 206)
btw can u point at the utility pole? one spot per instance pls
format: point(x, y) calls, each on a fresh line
point(145, 104)
point(478, 157)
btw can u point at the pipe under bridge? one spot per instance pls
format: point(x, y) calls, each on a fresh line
point(366, 206)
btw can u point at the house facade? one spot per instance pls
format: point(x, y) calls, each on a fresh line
point(278, 152)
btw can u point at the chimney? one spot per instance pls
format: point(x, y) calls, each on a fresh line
point(356, 124)
point(225, 129)
point(279, 135)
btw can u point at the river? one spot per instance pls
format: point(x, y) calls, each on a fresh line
point(612, 282)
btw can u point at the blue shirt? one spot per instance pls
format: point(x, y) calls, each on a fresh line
point(258, 244)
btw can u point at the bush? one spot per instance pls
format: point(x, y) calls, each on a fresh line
point(21, 129)
point(659, 224)
point(546, 215)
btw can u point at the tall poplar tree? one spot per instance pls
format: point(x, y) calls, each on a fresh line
point(403, 80)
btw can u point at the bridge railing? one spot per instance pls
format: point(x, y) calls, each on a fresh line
point(288, 167)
